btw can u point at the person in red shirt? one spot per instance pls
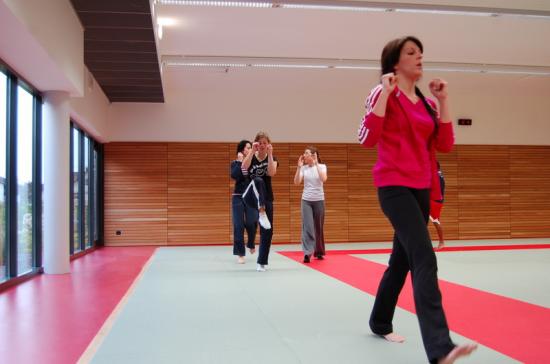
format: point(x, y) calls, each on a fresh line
point(408, 130)
point(436, 206)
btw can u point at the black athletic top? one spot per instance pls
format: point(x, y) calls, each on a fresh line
point(259, 169)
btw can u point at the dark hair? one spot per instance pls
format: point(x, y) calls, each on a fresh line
point(314, 150)
point(428, 107)
point(242, 144)
point(390, 58)
point(392, 52)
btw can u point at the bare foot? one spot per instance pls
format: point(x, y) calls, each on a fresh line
point(240, 260)
point(394, 338)
point(252, 250)
point(441, 245)
point(458, 352)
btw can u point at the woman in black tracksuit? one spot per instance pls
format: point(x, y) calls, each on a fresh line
point(243, 217)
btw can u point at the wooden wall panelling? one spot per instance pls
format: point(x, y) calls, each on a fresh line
point(296, 149)
point(366, 220)
point(180, 193)
point(335, 156)
point(530, 191)
point(231, 156)
point(281, 193)
point(135, 194)
point(197, 193)
point(449, 214)
point(484, 191)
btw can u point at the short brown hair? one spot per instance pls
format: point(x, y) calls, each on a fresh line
point(262, 134)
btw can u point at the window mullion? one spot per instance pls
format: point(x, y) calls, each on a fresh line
point(91, 195)
point(37, 183)
point(71, 190)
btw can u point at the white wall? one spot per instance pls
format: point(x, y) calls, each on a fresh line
point(505, 110)
point(90, 112)
point(43, 41)
point(322, 106)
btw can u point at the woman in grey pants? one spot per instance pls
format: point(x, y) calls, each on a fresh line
point(313, 173)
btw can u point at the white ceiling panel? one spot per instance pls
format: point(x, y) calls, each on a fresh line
point(300, 33)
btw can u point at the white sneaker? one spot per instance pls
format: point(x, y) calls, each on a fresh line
point(260, 268)
point(264, 221)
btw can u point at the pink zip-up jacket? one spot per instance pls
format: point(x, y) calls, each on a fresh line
point(405, 141)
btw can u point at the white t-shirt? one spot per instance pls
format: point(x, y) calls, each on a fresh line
point(313, 186)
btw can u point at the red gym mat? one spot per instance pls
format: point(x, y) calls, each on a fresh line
point(517, 329)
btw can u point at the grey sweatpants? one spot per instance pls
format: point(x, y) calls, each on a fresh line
point(313, 219)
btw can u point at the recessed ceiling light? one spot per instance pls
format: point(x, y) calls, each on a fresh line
point(166, 22)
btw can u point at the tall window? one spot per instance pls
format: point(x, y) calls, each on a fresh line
point(85, 191)
point(20, 174)
point(3, 190)
point(95, 193)
point(24, 180)
point(75, 198)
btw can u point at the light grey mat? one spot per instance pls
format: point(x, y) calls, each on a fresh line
point(196, 305)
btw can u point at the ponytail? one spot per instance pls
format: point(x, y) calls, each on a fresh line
point(429, 108)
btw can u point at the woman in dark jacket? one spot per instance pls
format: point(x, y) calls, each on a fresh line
point(243, 217)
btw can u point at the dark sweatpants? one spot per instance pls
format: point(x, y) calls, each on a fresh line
point(266, 236)
point(408, 210)
point(254, 197)
point(244, 218)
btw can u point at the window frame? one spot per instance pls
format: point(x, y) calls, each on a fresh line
point(11, 239)
point(93, 173)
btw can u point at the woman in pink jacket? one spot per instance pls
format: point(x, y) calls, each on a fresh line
point(407, 130)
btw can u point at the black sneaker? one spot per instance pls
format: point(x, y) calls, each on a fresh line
point(306, 258)
point(319, 257)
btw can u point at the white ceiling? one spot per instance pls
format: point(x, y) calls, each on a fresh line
point(300, 33)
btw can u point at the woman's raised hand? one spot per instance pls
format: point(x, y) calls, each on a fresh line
point(301, 161)
point(438, 88)
point(389, 81)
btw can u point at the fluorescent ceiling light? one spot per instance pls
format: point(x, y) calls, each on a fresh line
point(343, 64)
point(334, 7)
point(229, 4)
point(205, 64)
point(346, 67)
point(279, 65)
point(368, 6)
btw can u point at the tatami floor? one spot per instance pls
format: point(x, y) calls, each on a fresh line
point(196, 305)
